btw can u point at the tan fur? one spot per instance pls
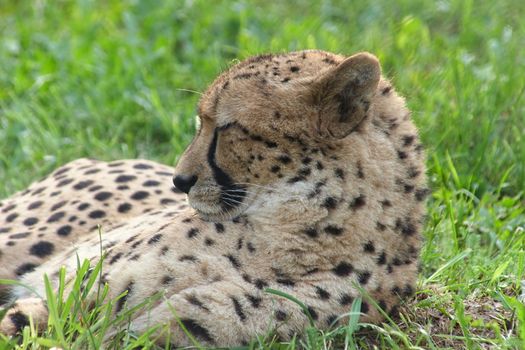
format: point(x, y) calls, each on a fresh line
point(310, 179)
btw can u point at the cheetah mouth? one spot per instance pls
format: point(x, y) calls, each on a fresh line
point(226, 204)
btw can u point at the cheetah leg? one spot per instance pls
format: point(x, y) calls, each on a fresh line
point(222, 314)
point(17, 317)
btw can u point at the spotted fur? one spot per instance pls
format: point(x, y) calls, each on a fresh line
point(305, 176)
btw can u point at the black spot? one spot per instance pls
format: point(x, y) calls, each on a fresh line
point(25, 268)
point(139, 195)
point(233, 261)
point(386, 90)
point(286, 282)
point(408, 188)
point(285, 80)
point(19, 235)
point(358, 202)
point(284, 159)
point(42, 249)
point(63, 183)
point(422, 193)
point(92, 171)
point(296, 179)
point(322, 293)
point(124, 208)
point(165, 201)
point(239, 243)
point(339, 173)
point(243, 76)
point(275, 169)
point(254, 301)
point(192, 299)
point(56, 216)
point(155, 239)
point(192, 232)
point(142, 166)
point(380, 226)
point(360, 173)
point(61, 171)
point(115, 164)
point(346, 299)
point(386, 203)
point(19, 320)
point(95, 188)
point(343, 269)
point(134, 257)
point(11, 217)
point(368, 247)
point(408, 139)
point(102, 196)
point(125, 178)
point(9, 208)
point(123, 187)
point(330, 320)
point(363, 277)
point(319, 165)
point(238, 308)
point(197, 330)
point(188, 258)
point(312, 313)
point(83, 206)
point(151, 183)
point(260, 284)
point(408, 290)
point(115, 258)
point(330, 203)
point(219, 227)
point(97, 214)
point(30, 221)
point(270, 144)
point(122, 301)
point(58, 205)
point(250, 247)
point(381, 259)
point(406, 227)
point(257, 138)
point(294, 69)
point(304, 172)
point(333, 230)
point(280, 315)
point(35, 205)
point(364, 307)
point(64, 230)
point(311, 232)
point(166, 279)
point(5, 229)
point(209, 242)
point(402, 155)
point(82, 184)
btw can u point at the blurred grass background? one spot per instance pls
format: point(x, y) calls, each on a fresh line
point(120, 79)
point(111, 79)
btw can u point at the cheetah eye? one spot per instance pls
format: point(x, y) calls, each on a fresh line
point(197, 122)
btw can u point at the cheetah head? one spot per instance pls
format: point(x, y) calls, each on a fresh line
point(269, 126)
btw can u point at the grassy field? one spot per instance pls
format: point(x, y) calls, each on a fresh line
point(119, 79)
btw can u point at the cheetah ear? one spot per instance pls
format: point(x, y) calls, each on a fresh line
point(344, 93)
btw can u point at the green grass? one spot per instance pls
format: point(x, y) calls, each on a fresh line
point(117, 79)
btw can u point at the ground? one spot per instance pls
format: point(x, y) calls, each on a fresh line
point(120, 80)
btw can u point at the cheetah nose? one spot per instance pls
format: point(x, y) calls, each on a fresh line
point(184, 182)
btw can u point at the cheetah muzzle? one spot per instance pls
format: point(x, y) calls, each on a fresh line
point(306, 175)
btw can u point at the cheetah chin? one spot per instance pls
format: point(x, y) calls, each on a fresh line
point(306, 175)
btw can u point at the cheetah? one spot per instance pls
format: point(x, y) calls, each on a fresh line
point(306, 175)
